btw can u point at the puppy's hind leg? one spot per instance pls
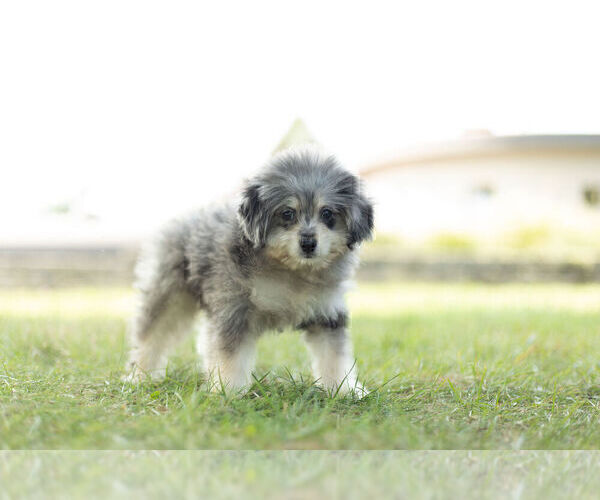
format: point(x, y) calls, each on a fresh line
point(166, 308)
point(159, 324)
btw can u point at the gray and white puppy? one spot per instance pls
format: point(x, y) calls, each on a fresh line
point(282, 258)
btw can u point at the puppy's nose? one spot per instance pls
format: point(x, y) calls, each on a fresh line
point(308, 243)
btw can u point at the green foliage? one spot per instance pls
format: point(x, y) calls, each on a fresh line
point(60, 209)
point(452, 243)
point(450, 366)
point(527, 238)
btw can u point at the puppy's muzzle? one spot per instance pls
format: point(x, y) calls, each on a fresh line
point(308, 244)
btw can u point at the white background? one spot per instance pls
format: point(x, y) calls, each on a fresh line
point(135, 111)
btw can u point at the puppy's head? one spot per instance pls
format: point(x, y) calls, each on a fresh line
point(305, 210)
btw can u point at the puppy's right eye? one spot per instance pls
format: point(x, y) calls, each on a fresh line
point(288, 214)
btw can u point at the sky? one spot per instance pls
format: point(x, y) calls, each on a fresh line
point(132, 112)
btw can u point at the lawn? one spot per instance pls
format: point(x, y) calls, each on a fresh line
point(449, 365)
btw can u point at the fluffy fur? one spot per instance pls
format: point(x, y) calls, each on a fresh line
point(280, 258)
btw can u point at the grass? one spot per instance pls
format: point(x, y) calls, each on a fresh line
point(453, 366)
point(300, 474)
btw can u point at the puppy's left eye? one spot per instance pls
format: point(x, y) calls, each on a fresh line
point(326, 214)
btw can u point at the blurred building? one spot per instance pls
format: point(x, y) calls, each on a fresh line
point(478, 186)
point(487, 185)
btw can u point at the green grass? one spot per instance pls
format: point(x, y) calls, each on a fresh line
point(295, 474)
point(453, 366)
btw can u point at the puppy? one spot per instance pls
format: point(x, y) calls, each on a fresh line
point(281, 258)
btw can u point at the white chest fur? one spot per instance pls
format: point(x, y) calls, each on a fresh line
point(295, 301)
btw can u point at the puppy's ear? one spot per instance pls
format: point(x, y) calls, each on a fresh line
point(253, 216)
point(360, 216)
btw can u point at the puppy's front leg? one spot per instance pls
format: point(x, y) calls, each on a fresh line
point(228, 359)
point(331, 349)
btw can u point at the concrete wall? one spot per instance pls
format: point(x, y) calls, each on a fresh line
point(56, 267)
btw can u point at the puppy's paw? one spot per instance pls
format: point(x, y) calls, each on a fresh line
point(346, 387)
point(360, 390)
point(136, 375)
point(133, 377)
point(218, 385)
